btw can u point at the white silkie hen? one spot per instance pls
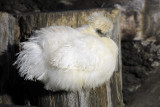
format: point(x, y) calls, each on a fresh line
point(64, 58)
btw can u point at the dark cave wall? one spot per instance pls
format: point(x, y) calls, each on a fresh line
point(140, 56)
point(24, 6)
point(141, 59)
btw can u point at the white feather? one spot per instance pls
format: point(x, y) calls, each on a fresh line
point(64, 58)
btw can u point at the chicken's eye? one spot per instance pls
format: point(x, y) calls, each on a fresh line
point(99, 31)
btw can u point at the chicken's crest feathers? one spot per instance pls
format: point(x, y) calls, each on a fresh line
point(98, 20)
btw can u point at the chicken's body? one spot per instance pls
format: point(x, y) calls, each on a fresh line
point(64, 58)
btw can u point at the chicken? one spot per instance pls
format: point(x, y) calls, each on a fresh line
point(64, 58)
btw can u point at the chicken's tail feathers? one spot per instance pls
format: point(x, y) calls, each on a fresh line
point(30, 61)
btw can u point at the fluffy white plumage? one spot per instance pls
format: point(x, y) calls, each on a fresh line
point(64, 58)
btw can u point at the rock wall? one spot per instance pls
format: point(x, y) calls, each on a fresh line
point(140, 57)
point(151, 19)
point(141, 60)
